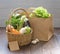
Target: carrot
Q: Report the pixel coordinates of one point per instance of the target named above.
(14, 31)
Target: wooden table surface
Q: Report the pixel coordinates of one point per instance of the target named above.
(50, 47)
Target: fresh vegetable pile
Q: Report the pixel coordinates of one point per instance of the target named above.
(40, 12)
(18, 24)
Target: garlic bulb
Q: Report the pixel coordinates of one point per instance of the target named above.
(22, 30)
(35, 41)
(25, 30)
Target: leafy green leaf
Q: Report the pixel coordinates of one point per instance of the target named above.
(28, 30)
(40, 12)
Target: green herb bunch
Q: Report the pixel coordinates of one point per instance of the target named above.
(16, 21)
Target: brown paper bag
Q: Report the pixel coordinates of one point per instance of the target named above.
(42, 28)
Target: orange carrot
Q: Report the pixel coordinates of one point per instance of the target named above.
(14, 31)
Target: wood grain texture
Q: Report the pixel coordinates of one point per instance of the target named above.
(50, 47)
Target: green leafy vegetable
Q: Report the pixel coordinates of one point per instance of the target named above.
(28, 30)
(16, 21)
(16, 16)
(40, 12)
